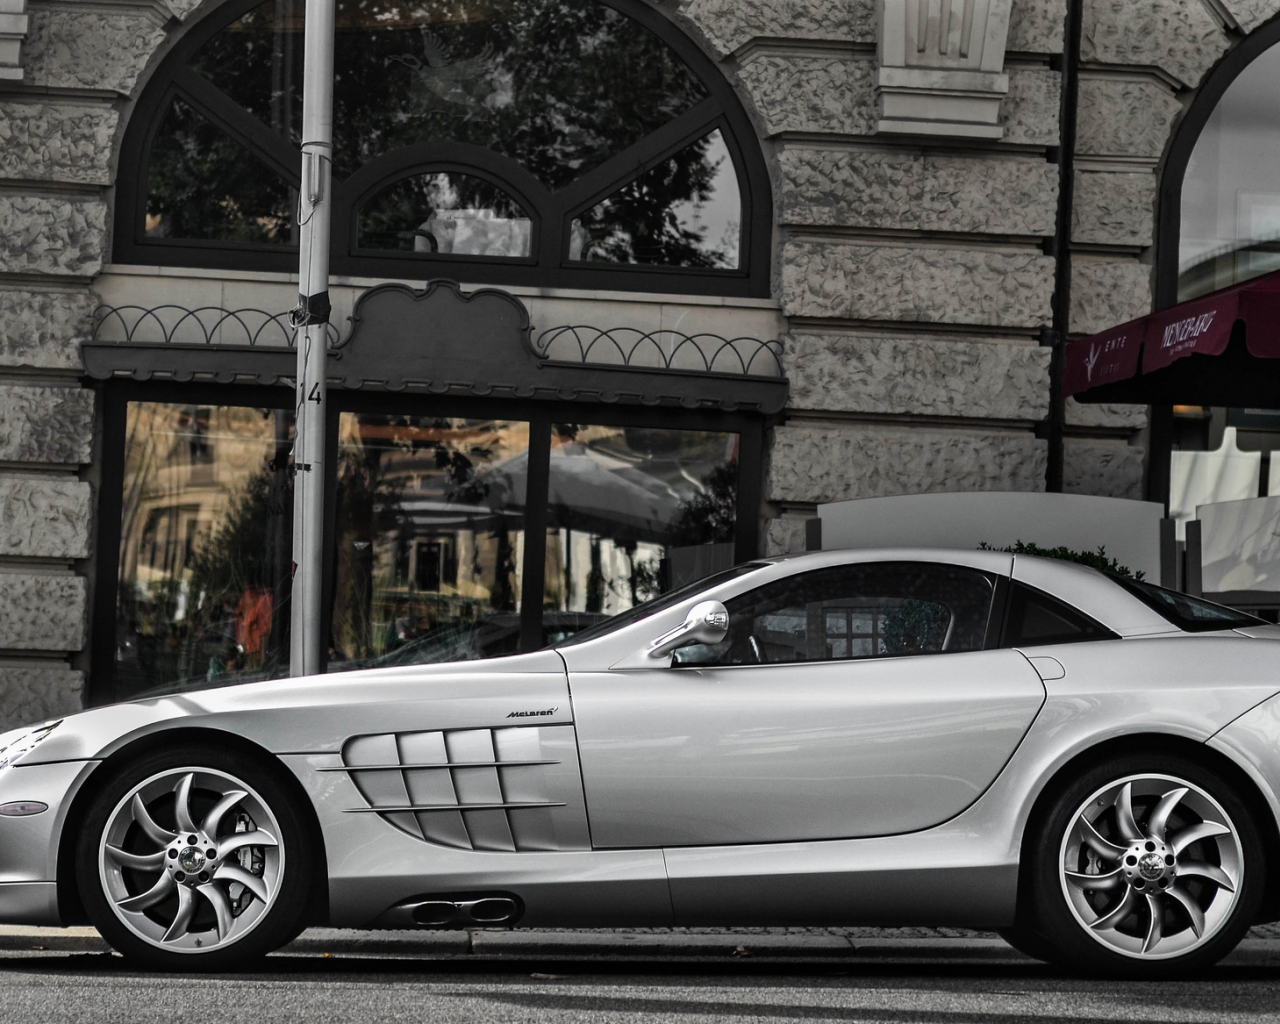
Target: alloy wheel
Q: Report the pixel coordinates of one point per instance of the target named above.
(1151, 866)
(190, 860)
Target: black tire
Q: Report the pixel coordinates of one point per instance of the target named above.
(273, 923)
(1030, 943)
(1076, 915)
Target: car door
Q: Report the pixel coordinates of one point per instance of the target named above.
(853, 700)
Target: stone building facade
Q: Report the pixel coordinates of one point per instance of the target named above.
(913, 275)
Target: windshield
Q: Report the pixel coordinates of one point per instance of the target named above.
(643, 611)
(1191, 614)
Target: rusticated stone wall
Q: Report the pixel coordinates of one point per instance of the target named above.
(913, 270)
(917, 376)
(59, 129)
(812, 463)
(33, 694)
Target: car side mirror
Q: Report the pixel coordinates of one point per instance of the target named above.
(706, 623)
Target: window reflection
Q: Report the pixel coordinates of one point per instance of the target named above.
(559, 85)
(202, 185)
(862, 611)
(686, 212)
(446, 212)
(206, 535)
(430, 539)
(632, 513)
(1231, 191)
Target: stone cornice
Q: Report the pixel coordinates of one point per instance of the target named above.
(941, 67)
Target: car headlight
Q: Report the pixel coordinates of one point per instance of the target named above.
(20, 742)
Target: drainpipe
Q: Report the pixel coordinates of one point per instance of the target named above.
(311, 338)
(1056, 336)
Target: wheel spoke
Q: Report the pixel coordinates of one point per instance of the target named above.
(158, 835)
(238, 839)
(221, 907)
(144, 901)
(182, 803)
(1159, 822)
(1092, 882)
(1155, 930)
(1191, 906)
(214, 818)
(1102, 847)
(1123, 909)
(231, 873)
(1212, 872)
(1124, 814)
(1194, 833)
(186, 911)
(137, 861)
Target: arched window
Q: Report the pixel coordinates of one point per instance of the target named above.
(1229, 206)
(578, 143)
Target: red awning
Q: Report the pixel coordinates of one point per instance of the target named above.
(1098, 367)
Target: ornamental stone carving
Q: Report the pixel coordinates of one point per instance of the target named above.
(13, 30)
(942, 67)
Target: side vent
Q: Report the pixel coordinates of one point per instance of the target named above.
(506, 790)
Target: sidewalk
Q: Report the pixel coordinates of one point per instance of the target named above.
(1261, 946)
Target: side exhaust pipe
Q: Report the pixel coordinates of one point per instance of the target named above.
(434, 912)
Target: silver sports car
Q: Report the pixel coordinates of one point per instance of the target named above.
(1088, 763)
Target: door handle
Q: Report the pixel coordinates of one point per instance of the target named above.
(1048, 668)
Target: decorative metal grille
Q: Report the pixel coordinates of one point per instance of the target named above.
(208, 325)
(664, 350)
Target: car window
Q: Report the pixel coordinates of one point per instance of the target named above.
(1192, 614)
(1034, 619)
(877, 610)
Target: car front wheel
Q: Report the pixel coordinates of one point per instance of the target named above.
(184, 864)
(1149, 866)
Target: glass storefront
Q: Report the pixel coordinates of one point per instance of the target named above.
(206, 546)
(634, 512)
(430, 539)
(431, 554)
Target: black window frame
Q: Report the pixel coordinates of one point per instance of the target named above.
(116, 395)
(552, 212)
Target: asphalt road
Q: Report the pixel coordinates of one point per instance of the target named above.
(896, 986)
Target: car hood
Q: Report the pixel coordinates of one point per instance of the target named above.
(315, 714)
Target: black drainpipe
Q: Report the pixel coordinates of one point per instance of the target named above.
(1056, 336)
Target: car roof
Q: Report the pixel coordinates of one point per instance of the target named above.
(1083, 588)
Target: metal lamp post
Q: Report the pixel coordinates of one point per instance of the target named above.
(311, 322)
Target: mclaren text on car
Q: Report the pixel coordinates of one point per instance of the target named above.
(1088, 763)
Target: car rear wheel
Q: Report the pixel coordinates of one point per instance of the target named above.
(183, 864)
(1148, 866)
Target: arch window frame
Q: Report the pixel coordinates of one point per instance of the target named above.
(551, 212)
(1185, 136)
(1168, 226)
